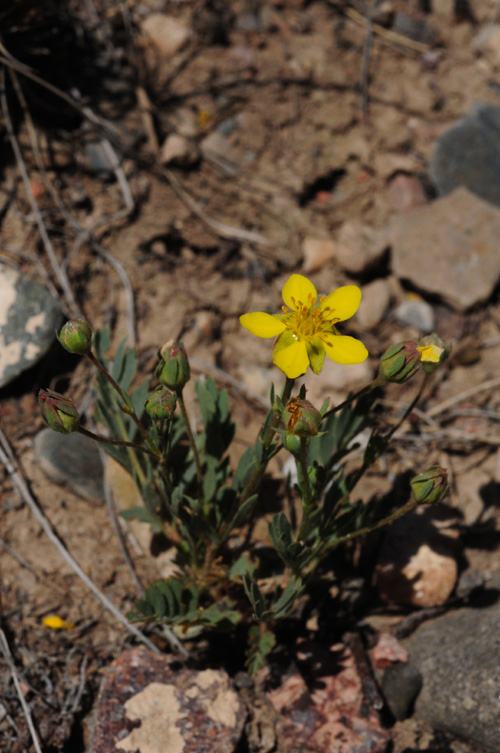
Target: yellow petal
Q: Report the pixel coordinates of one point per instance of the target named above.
(430, 353)
(293, 361)
(57, 623)
(345, 349)
(344, 302)
(298, 289)
(262, 325)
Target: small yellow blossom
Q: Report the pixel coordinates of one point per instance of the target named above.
(57, 623)
(431, 353)
(306, 330)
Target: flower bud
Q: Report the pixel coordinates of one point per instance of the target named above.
(400, 362)
(160, 404)
(301, 418)
(76, 336)
(173, 368)
(433, 351)
(58, 412)
(430, 487)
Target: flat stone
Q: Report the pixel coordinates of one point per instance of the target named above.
(374, 304)
(417, 564)
(29, 316)
(178, 150)
(359, 247)
(449, 248)
(457, 655)
(168, 33)
(72, 461)
(468, 154)
(317, 252)
(145, 705)
(417, 314)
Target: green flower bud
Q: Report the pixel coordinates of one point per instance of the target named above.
(76, 336)
(291, 443)
(430, 487)
(58, 412)
(301, 418)
(433, 351)
(173, 368)
(400, 362)
(160, 404)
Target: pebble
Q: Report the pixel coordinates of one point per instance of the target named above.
(359, 247)
(487, 42)
(317, 253)
(374, 304)
(467, 154)
(457, 655)
(29, 315)
(417, 564)
(417, 314)
(405, 192)
(449, 248)
(72, 461)
(168, 33)
(217, 146)
(387, 651)
(401, 683)
(98, 160)
(178, 150)
(145, 704)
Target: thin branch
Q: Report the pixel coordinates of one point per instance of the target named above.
(4, 646)
(441, 407)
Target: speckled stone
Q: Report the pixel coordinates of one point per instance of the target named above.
(145, 704)
(29, 316)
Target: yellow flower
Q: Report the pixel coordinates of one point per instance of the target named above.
(57, 623)
(306, 329)
(430, 353)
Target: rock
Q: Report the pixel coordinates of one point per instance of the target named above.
(487, 42)
(329, 717)
(387, 651)
(144, 704)
(417, 563)
(217, 146)
(416, 313)
(359, 247)
(374, 304)
(457, 655)
(405, 192)
(449, 248)
(317, 252)
(401, 684)
(99, 160)
(168, 33)
(29, 315)
(415, 28)
(467, 154)
(72, 461)
(178, 150)
(185, 122)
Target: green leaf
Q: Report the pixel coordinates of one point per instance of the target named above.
(260, 646)
(209, 484)
(286, 602)
(244, 512)
(241, 567)
(144, 515)
(281, 534)
(255, 596)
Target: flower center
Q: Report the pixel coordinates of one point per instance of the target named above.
(309, 320)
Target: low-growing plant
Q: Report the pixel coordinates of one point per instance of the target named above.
(192, 494)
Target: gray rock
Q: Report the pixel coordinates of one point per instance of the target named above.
(99, 160)
(73, 461)
(457, 655)
(401, 684)
(29, 316)
(418, 314)
(449, 248)
(468, 154)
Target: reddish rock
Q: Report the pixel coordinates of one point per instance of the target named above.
(388, 650)
(145, 705)
(331, 714)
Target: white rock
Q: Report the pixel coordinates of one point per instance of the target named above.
(178, 150)
(168, 33)
(359, 247)
(418, 314)
(374, 304)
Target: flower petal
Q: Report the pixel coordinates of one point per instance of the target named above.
(262, 325)
(344, 302)
(316, 354)
(293, 360)
(300, 289)
(345, 349)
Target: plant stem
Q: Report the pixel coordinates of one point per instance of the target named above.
(410, 505)
(191, 438)
(307, 494)
(122, 443)
(410, 408)
(378, 382)
(127, 406)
